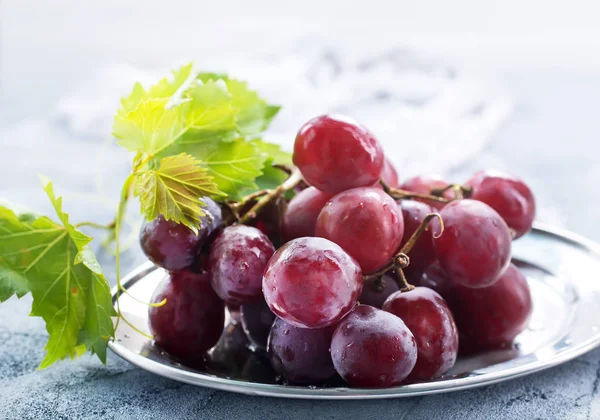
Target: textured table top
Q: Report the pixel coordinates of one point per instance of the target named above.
(551, 140)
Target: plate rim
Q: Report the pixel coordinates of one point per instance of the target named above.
(339, 393)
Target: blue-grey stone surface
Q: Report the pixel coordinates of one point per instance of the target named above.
(551, 140)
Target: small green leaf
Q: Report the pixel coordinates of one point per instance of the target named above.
(53, 261)
(174, 190)
(190, 108)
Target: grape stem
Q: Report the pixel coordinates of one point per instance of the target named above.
(401, 281)
(293, 180)
(401, 259)
(110, 226)
(408, 246)
(460, 191)
(398, 194)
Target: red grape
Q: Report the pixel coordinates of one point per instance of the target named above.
(301, 216)
(424, 184)
(312, 282)
(335, 153)
(375, 297)
(174, 246)
(191, 321)
(422, 254)
(434, 278)
(389, 175)
(237, 261)
(508, 195)
(474, 249)
(491, 317)
(301, 355)
(366, 222)
(257, 320)
(373, 349)
(428, 317)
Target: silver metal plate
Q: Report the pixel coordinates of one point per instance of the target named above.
(562, 270)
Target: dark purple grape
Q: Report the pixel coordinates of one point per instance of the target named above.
(171, 245)
(191, 321)
(508, 195)
(335, 153)
(422, 254)
(174, 246)
(491, 317)
(371, 348)
(474, 249)
(312, 283)
(257, 320)
(366, 222)
(428, 317)
(301, 216)
(375, 296)
(237, 261)
(301, 355)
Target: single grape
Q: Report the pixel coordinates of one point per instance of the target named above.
(371, 348)
(191, 321)
(491, 317)
(301, 355)
(257, 320)
(389, 175)
(301, 216)
(366, 222)
(171, 245)
(474, 249)
(434, 278)
(174, 246)
(312, 283)
(508, 195)
(422, 254)
(428, 317)
(237, 261)
(375, 296)
(335, 153)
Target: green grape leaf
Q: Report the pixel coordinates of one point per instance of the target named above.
(165, 88)
(174, 189)
(190, 108)
(254, 114)
(53, 262)
(233, 166)
(151, 127)
(271, 177)
(273, 152)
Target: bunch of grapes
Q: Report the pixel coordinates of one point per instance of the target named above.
(338, 296)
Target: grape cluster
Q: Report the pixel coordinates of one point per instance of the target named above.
(336, 297)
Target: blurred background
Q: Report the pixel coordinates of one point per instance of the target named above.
(447, 87)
